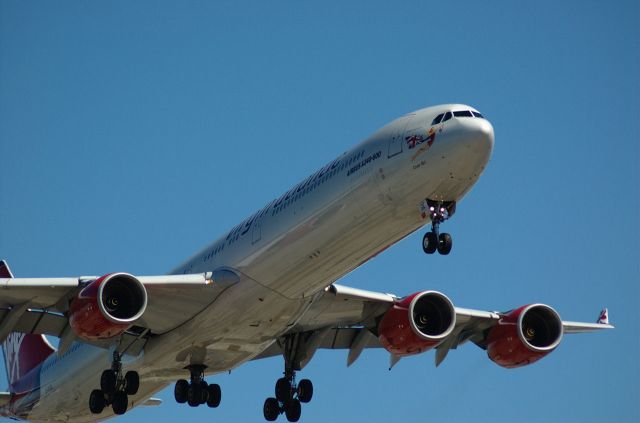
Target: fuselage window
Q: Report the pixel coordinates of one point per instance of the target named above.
(437, 119)
(462, 113)
(446, 117)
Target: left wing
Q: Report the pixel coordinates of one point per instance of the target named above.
(354, 319)
(47, 305)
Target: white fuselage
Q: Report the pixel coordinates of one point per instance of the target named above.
(289, 251)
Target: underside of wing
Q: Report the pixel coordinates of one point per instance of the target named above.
(355, 319)
(115, 308)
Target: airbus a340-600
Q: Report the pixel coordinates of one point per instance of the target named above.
(268, 287)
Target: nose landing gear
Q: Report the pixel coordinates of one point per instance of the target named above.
(438, 212)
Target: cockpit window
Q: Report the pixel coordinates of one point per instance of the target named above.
(446, 117)
(462, 113)
(437, 119)
(478, 114)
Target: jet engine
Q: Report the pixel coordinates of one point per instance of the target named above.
(525, 335)
(417, 323)
(107, 306)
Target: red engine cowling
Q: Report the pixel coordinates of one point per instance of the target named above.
(417, 323)
(525, 335)
(107, 306)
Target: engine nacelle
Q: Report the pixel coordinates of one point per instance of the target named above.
(525, 335)
(417, 323)
(107, 306)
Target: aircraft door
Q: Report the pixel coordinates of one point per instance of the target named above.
(397, 137)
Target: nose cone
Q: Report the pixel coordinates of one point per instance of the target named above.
(485, 133)
(477, 136)
(469, 148)
(473, 141)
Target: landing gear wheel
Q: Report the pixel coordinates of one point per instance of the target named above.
(120, 403)
(283, 389)
(293, 410)
(429, 243)
(214, 395)
(204, 391)
(96, 401)
(305, 390)
(271, 409)
(444, 244)
(194, 395)
(132, 382)
(108, 381)
(180, 391)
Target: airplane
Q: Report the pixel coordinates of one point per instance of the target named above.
(268, 288)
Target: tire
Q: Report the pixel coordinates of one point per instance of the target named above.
(204, 391)
(120, 403)
(194, 395)
(429, 243)
(271, 409)
(283, 390)
(305, 390)
(108, 381)
(180, 391)
(132, 382)
(214, 395)
(444, 244)
(293, 410)
(96, 401)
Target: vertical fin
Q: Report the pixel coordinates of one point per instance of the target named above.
(603, 319)
(5, 272)
(22, 352)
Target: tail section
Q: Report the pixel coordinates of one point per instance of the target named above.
(604, 317)
(22, 352)
(5, 272)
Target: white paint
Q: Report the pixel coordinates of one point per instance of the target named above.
(288, 252)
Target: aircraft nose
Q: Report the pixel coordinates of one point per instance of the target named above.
(470, 148)
(476, 136)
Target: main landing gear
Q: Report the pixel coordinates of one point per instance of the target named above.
(289, 397)
(114, 388)
(197, 391)
(288, 394)
(438, 212)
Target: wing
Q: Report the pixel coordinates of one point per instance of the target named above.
(348, 318)
(41, 305)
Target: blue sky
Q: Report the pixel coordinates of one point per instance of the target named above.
(133, 133)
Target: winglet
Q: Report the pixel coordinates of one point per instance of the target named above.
(5, 272)
(604, 317)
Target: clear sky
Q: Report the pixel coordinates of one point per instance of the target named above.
(133, 133)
